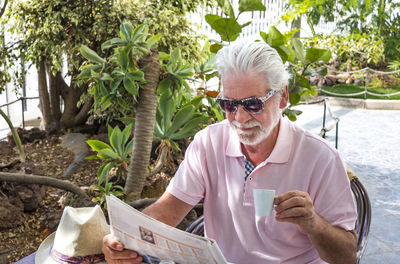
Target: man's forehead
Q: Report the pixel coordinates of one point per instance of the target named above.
(248, 84)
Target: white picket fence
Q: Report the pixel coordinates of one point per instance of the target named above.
(262, 21)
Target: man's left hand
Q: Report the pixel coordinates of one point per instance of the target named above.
(296, 207)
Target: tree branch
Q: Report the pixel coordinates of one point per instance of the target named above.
(35, 179)
(3, 9)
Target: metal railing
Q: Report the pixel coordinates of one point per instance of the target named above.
(23, 101)
(333, 124)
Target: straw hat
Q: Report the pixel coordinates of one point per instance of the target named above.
(78, 238)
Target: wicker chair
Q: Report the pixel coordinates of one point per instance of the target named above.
(362, 223)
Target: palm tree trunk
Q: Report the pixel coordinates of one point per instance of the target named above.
(144, 128)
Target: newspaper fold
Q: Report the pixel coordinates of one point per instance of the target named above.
(156, 241)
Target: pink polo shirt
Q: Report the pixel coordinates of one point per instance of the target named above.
(213, 169)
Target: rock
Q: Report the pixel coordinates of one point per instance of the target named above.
(314, 80)
(330, 80)
(358, 81)
(342, 77)
(321, 82)
(11, 212)
(350, 80)
(30, 195)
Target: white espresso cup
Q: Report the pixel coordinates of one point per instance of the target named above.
(263, 201)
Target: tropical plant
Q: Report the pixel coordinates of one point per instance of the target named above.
(121, 72)
(228, 27)
(48, 35)
(108, 189)
(353, 51)
(177, 120)
(302, 60)
(114, 156)
(136, 72)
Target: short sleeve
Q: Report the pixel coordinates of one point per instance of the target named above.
(188, 183)
(334, 199)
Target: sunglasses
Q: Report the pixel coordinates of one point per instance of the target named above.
(253, 105)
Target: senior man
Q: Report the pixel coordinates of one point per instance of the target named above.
(256, 147)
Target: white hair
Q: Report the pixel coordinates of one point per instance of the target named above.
(253, 57)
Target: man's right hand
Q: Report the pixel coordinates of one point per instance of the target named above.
(115, 253)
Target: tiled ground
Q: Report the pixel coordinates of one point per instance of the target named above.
(369, 141)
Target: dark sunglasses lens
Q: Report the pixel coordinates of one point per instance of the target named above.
(228, 106)
(253, 105)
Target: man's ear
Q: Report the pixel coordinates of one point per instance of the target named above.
(284, 97)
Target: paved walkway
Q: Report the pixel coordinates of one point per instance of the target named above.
(369, 141)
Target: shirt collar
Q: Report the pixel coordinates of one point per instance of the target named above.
(281, 151)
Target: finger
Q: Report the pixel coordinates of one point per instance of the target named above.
(295, 212)
(296, 201)
(112, 242)
(285, 196)
(114, 251)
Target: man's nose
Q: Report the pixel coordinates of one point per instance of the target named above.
(241, 115)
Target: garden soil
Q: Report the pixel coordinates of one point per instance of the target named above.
(27, 226)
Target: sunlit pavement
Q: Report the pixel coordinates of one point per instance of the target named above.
(369, 141)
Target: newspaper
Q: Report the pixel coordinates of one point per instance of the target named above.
(157, 242)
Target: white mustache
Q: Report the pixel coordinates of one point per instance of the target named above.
(248, 124)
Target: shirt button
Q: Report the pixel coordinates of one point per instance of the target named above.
(250, 178)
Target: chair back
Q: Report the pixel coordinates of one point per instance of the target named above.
(363, 215)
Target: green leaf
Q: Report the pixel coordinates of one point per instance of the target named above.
(97, 145)
(106, 77)
(324, 71)
(126, 30)
(128, 149)
(91, 55)
(167, 108)
(164, 86)
(190, 127)
(264, 36)
(294, 98)
(138, 33)
(299, 50)
(123, 59)
(116, 140)
(106, 45)
(118, 42)
(226, 7)
(214, 48)
(126, 133)
(108, 154)
(316, 55)
(92, 157)
(158, 132)
(153, 40)
(228, 28)
(183, 116)
(137, 75)
(275, 37)
(251, 5)
(245, 24)
(104, 172)
(302, 81)
(163, 56)
(130, 86)
(127, 120)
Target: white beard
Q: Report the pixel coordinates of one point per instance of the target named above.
(258, 134)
